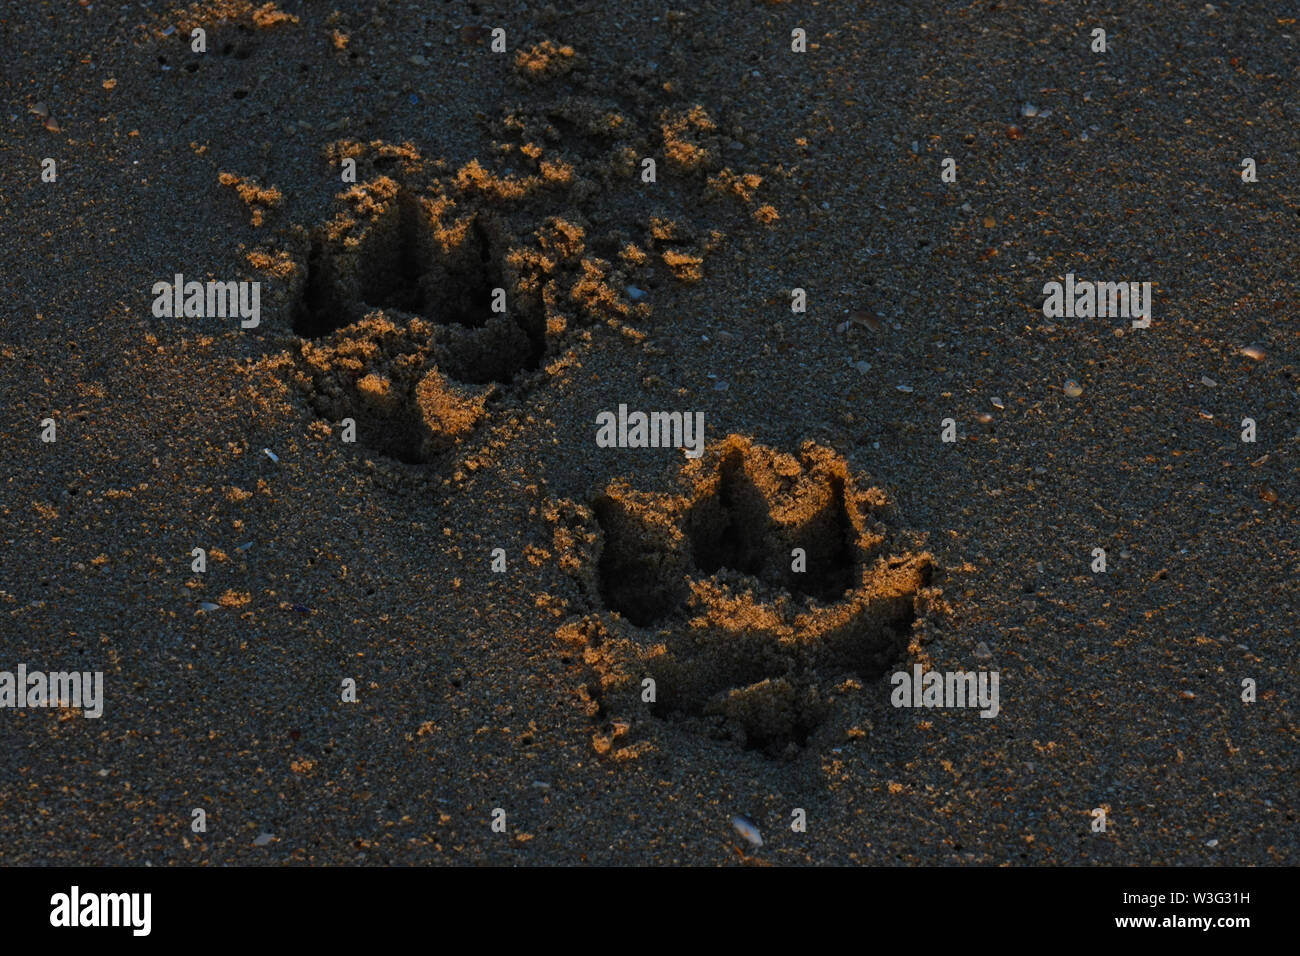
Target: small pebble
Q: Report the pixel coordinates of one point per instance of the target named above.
(1073, 389)
(1029, 110)
(271, 455)
(40, 109)
(904, 388)
(1208, 382)
(720, 386)
(245, 546)
(208, 606)
(861, 366)
(997, 402)
(1254, 352)
(1211, 843)
(984, 418)
(263, 839)
(982, 652)
(747, 829)
(866, 319)
(635, 294)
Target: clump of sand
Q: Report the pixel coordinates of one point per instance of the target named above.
(257, 197)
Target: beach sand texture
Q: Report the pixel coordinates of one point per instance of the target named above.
(496, 275)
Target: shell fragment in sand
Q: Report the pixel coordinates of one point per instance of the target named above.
(747, 829)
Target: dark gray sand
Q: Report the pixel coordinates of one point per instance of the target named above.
(476, 431)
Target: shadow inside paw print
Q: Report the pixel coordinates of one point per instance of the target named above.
(749, 597)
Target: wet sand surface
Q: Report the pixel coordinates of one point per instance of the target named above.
(372, 561)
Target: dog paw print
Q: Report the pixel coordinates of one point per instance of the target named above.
(433, 290)
(413, 311)
(747, 599)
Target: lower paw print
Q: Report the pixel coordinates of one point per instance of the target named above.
(740, 606)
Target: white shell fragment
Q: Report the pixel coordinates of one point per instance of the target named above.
(1073, 389)
(747, 829)
(208, 606)
(1254, 352)
(271, 455)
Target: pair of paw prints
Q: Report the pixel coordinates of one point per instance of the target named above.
(746, 600)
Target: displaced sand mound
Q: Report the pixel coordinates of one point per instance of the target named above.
(743, 599)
